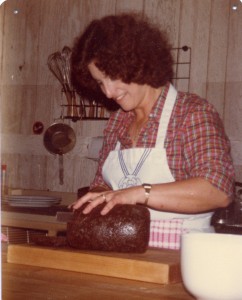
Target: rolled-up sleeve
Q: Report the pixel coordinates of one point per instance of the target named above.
(207, 149)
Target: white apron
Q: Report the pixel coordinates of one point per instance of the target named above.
(132, 167)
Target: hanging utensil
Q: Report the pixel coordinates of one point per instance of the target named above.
(59, 139)
(58, 66)
(66, 54)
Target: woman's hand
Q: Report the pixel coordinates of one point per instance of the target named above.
(131, 195)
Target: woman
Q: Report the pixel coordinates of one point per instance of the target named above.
(162, 148)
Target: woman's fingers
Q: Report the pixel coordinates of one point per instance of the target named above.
(95, 202)
(107, 207)
(86, 198)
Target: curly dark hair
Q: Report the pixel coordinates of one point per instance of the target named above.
(126, 47)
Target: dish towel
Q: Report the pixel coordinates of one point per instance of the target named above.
(166, 233)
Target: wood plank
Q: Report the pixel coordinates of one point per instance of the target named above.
(233, 88)
(233, 92)
(156, 266)
(2, 10)
(166, 14)
(129, 6)
(218, 47)
(22, 48)
(194, 32)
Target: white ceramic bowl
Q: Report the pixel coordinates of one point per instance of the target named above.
(211, 265)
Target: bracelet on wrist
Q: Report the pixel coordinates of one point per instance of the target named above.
(147, 188)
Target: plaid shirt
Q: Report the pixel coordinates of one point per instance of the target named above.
(196, 143)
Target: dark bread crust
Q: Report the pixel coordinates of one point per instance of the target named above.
(124, 229)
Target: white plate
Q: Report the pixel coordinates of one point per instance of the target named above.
(17, 204)
(31, 201)
(31, 198)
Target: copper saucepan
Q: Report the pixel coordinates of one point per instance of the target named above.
(59, 139)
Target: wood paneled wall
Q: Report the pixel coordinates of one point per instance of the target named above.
(32, 29)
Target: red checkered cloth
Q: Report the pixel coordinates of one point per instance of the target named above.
(166, 233)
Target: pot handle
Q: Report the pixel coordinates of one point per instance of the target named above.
(61, 169)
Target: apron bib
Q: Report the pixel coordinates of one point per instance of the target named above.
(132, 167)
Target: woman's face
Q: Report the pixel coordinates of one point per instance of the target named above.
(128, 96)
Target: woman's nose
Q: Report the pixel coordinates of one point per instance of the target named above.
(108, 89)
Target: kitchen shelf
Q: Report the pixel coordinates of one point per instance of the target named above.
(87, 112)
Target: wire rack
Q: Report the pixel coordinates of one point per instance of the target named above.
(182, 68)
(94, 110)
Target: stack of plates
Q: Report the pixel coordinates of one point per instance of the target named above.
(31, 201)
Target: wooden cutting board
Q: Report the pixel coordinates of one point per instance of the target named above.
(156, 265)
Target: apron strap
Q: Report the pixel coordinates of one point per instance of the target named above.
(165, 116)
(117, 147)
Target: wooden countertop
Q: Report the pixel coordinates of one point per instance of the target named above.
(38, 283)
